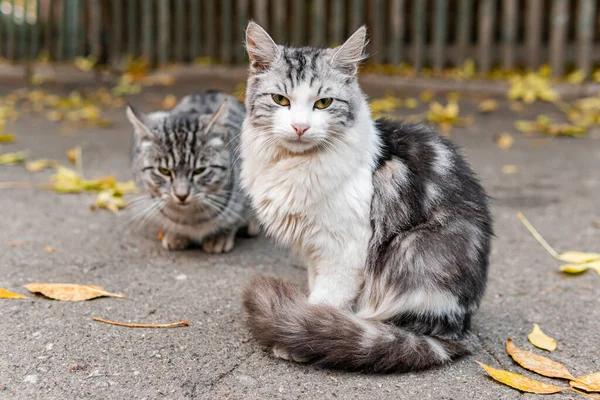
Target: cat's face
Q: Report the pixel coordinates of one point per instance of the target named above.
(178, 161)
(302, 98)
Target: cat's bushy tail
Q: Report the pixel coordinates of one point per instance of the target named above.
(280, 315)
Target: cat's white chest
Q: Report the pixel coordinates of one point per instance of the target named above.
(311, 203)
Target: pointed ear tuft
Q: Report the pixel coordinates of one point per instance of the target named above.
(137, 119)
(262, 50)
(219, 117)
(349, 55)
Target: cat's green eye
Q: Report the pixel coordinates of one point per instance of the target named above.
(165, 171)
(199, 171)
(281, 100)
(322, 104)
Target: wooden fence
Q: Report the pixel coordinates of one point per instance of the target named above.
(422, 33)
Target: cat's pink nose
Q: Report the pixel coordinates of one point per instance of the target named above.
(182, 196)
(300, 128)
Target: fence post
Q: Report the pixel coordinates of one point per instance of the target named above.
(533, 33)
(95, 31)
(440, 34)
(377, 33)
(132, 14)
(10, 33)
(279, 21)
(242, 22)
(418, 34)
(317, 25)
(558, 34)
(465, 23)
(338, 22)
(163, 32)
(397, 22)
(226, 36)
(357, 14)
(209, 22)
(147, 29)
(510, 21)
(585, 35)
(486, 34)
(298, 23)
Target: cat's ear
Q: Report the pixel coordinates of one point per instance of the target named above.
(348, 56)
(137, 120)
(219, 117)
(261, 48)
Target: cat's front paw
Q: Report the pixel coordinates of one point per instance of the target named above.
(171, 241)
(220, 243)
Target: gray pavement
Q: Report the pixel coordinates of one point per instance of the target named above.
(53, 350)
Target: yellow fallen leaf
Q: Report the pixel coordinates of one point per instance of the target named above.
(586, 394)
(504, 141)
(579, 268)
(5, 294)
(111, 200)
(86, 63)
(589, 383)
(520, 382)
(74, 155)
(572, 257)
(384, 105)
(160, 234)
(578, 257)
(169, 102)
(7, 138)
(541, 365)
(49, 249)
(426, 96)
(488, 106)
(411, 103)
(13, 158)
(70, 292)
(40, 165)
(541, 340)
(510, 169)
(575, 77)
(516, 106)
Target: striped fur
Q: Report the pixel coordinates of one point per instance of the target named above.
(184, 160)
(389, 218)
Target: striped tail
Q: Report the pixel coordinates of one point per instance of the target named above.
(279, 315)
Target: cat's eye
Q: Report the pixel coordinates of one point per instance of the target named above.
(165, 171)
(322, 104)
(281, 100)
(199, 171)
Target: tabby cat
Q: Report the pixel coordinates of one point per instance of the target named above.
(390, 220)
(184, 160)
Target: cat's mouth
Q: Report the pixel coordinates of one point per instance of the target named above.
(299, 145)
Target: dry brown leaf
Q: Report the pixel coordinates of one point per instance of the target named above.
(5, 294)
(510, 169)
(541, 365)
(520, 382)
(14, 185)
(127, 325)
(589, 383)
(70, 291)
(596, 224)
(504, 141)
(16, 243)
(541, 340)
(160, 234)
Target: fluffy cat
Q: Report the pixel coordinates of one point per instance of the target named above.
(184, 160)
(390, 220)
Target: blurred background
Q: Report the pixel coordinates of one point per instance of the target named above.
(423, 34)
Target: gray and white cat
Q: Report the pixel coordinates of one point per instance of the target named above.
(390, 220)
(184, 161)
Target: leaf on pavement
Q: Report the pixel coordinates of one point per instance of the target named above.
(583, 259)
(7, 138)
(69, 291)
(541, 365)
(5, 294)
(520, 382)
(510, 169)
(13, 158)
(169, 102)
(40, 165)
(488, 106)
(504, 141)
(541, 340)
(14, 185)
(49, 249)
(128, 325)
(589, 383)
